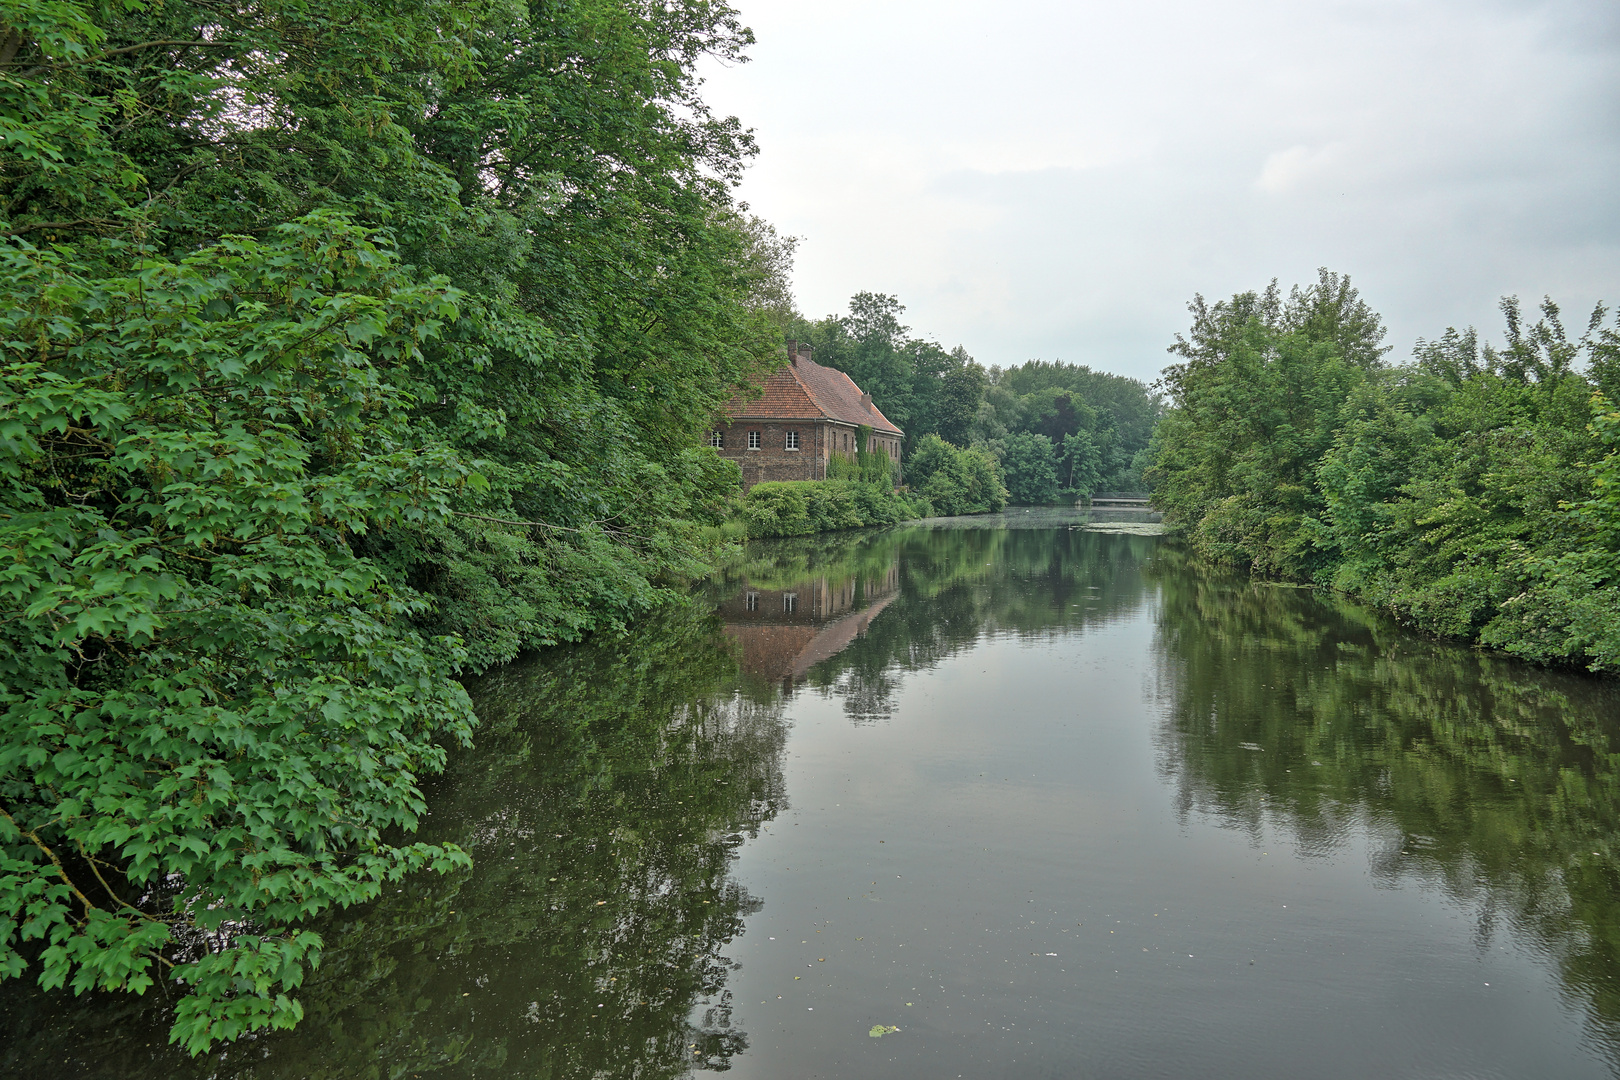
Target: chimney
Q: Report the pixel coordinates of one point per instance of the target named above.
(804, 350)
(793, 353)
(866, 399)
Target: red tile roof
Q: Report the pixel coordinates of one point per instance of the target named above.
(805, 390)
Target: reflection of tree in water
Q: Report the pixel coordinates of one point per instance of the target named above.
(958, 585)
(1491, 781)
(608, 790)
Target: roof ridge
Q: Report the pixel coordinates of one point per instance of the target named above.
(832, 393)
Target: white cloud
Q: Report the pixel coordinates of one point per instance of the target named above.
(1041, 178)
(1287, 169)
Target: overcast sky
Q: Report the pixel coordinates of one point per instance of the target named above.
(1056, 180)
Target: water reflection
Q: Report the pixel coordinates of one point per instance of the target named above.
(609, 790)
(939, 588)
(785, 630)
(1492, 782)
(614, 784)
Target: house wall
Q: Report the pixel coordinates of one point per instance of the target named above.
(818, 441)
(773, 461)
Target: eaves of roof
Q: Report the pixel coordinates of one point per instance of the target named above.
(805, 390)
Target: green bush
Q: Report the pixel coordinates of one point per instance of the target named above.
(206, 696)
(956, 481)
(1470, 493)
(802, 507)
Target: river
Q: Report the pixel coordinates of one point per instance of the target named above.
(1044, 800)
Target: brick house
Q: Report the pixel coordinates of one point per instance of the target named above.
(806, 414)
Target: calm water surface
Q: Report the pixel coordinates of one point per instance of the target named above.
(1052, 802)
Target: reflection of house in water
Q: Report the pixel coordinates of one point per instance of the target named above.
(785, 632)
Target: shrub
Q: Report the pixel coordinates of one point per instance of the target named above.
(956, 481)
(777, 508)
(801, 507)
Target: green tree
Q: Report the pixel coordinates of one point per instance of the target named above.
(1030, 467)
(879, 361)
(1459, 492)
(1082, 464)
(1060, 400)
(245, 526)
(961, 394)
(618, 307)
(956, 481)
(1254, 407)
(214, 714)
(1448, 486)
(556, 162)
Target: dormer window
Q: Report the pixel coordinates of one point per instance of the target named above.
(717, 439)
(792, 440)
(753, 440)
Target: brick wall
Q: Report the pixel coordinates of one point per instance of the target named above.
(773, 461)
(818, 440)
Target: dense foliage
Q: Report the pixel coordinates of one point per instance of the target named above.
(212, 709)
(1030, 466)
(1472, 492)
(1057, 431)
(347, 348)
(953, 480)
(802, 507)
(1063, 431)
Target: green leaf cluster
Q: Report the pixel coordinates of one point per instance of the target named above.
(802, 507)
(213, 713)
(1469, 492)
(1097, 426)
(348, 348)
(956, 481)
(1031, 468)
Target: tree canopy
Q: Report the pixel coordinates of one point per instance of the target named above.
(1096, 426)
(1470, 491)
(348, 348)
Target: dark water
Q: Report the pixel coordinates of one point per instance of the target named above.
(1052, 802)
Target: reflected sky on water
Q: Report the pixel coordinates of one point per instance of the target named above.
(1052, 802)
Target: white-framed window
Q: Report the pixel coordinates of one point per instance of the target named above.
(717, 439)
(792, 440)
(751, 601)
(790, 602)
(753, 440)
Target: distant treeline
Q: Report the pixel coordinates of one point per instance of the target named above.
(1473, 491)
(1055, 432)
